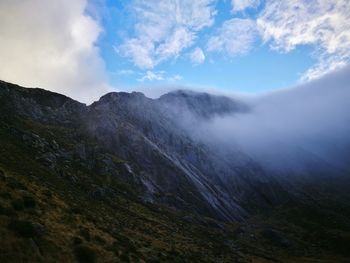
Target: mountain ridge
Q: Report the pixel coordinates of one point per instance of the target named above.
(127, 151)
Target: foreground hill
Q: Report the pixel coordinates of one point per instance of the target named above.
(125, 180)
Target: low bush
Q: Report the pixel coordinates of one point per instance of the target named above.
(23, 228)
(85, 233)
(29, 202)
(17, 204)
(77, 241)
(85, 254)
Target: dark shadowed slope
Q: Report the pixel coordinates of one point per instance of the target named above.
(130, 178)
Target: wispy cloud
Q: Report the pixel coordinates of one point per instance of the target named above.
(197, 56)
(235, 37)
(175, 78)
(125, 72)
(241, 5)
(160, 75)
(323, 24)
(152, 75)
(164, 29)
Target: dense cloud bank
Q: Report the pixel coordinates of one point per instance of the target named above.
(52, 45)
(289, 128)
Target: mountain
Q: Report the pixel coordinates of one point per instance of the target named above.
(202, 105)
(130, 178)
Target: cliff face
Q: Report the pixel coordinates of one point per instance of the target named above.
(162, 159)
(147, 169)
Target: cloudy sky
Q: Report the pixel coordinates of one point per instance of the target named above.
(84, 48)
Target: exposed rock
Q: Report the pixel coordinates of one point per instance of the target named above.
(147, 145)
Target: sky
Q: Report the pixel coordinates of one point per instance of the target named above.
(85, 48)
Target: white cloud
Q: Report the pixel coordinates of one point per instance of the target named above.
(152, 75)
(51, 45)
(197, 56)
(160, 75)
(164, 29)
(175, 78)
(321, 23)
(235, 37)
(326, 63)
(125, 72)
(175, 43)
(241, 5)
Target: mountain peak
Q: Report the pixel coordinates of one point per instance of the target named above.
(116, 96)
(202, 104)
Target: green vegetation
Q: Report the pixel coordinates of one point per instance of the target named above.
(46, 217)
(85, 254)
(56, 206)
(23, 228)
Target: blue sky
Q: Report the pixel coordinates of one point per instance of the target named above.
(85, 48)
(261, 68)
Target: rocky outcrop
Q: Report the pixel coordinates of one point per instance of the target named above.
(145, 143)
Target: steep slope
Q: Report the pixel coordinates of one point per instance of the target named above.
(166, 161)
(125, 180)
(167, 165)
(175, 164)
(202, 105)
(65, 198)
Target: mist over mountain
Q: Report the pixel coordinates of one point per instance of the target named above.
(241, 167)
(285, 128)
(175, 131)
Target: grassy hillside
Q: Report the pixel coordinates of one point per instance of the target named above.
(58, 206)
(50, 218)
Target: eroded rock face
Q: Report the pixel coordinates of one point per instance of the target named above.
(177, 165)
(145, 143)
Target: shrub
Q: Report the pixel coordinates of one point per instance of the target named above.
(126, 242)
(8, 211)
(26, 228)
(6, 195)
(47, 193)
(85, 254)
(2, 175)
(76, 210)
(85, 233)
(77, 241)
(99, 239)
(124, 257)
(2, 210)
(14, 184)
(29, 202)
(23, 228)
(17, 204)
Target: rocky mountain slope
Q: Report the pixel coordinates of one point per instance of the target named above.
(128, 179)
